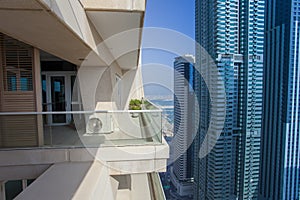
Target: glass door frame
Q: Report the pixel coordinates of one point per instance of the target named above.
(68, 92)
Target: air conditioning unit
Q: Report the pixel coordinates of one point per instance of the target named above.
(100, 123)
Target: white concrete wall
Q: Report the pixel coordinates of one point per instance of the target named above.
(98, 84)
(73, 14)
(136, 5)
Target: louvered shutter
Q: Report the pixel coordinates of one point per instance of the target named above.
(17, 94)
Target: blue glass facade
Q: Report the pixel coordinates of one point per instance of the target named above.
(232, 32)
(280, 161)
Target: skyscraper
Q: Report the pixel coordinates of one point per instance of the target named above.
(232, 33)
(181, 174)
(280, 155)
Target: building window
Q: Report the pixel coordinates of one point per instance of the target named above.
(14, 187)
(17, 79)
(17, 64)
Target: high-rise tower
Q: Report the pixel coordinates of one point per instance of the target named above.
(232, 33)
(280, 158)
(181, 175)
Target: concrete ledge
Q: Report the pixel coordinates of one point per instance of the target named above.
(132, 167)
(113, 153)
(22, 172)
(119, 160)
(160, 165)
(91, 180)
(162, 151)
(32, 157)
(124, 5)
(60, 181)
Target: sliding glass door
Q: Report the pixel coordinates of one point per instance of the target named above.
(57, 94)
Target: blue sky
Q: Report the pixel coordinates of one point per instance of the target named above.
(177, 15)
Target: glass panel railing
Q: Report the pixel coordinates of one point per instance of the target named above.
(152, 121)
(83, 129)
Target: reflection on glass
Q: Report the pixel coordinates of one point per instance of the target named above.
(58, 98)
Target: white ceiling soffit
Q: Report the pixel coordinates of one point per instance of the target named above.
(34, 23)
(53, 29)
(121, 32)
(14, 4)
(125, 5)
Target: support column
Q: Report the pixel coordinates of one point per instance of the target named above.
(38, 95)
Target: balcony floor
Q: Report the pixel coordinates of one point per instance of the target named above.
(66, 135)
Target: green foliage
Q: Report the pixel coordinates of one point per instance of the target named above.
(135, 104)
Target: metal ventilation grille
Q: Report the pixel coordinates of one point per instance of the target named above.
(17, 64)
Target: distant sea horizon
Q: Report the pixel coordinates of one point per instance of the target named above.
(166, 103)
(160, 97)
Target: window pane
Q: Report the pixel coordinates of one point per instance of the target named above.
(29, 181)
(26, 81)
(17, 61)
(12, 189)
(11, 81)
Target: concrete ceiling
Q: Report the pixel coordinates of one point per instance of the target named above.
(31, 23)
(121, 33)
(34, 23)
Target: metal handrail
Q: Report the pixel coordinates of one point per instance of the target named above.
(78, 112)
(85, 112)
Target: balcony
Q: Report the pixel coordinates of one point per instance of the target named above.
(128, 141)
(99, 128)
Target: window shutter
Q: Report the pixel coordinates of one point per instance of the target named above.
(16, 67)
(17, 62)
